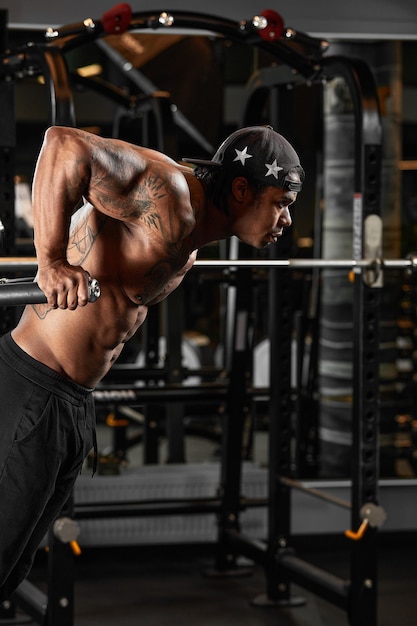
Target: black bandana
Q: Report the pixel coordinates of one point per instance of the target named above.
(260, 154)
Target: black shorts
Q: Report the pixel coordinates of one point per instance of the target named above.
(47, 428)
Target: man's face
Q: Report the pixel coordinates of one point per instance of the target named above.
(264, 216)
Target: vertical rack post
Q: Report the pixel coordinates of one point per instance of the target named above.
(174, 327)
(362, 605)
(7, 167)
(365, 406)
(234, 420)
(7, 147)
(280, 429)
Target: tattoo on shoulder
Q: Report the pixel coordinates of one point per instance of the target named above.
(129, 194)
(142, 203)
(148, 194)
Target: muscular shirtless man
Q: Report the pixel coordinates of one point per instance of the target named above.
(134, 219)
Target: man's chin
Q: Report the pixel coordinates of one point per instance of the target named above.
(265, 244)
(259, 245)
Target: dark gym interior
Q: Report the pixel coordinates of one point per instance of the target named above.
(257, 438)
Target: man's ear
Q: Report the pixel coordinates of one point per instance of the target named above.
(240, 188)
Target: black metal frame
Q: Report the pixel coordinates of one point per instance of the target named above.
(357, 596)
(49, 58)
(7, 168)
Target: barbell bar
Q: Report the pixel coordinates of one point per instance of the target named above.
(15, 293)
(305, 264)
(20, 293)
(13, 264)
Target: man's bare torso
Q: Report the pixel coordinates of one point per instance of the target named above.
(135, 265)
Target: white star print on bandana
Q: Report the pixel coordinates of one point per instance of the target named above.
(255, 152)
(273, 169)
(242, 155)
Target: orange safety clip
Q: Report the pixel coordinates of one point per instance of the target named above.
(116, 422)
(75, 547)
(372, 515)
(351, 534)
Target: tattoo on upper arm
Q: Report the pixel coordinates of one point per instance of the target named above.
(82, 239)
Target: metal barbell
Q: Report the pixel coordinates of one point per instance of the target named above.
(24, 291)
(20, 292)
(305, 264)
(13, 264)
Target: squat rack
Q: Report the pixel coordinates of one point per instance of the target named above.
(358, 596)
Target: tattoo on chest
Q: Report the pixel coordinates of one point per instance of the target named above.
(164, 273)
(156, 279)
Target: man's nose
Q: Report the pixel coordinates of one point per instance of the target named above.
(285, 217)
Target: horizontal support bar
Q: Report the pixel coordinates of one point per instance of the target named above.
(175, 392)
(209, 392)
(243, 545)
(168, 506)
(295, 484)
(32, 601)
(139, 509)
(128, 372)
(315, 579)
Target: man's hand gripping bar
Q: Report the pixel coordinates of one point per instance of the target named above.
(18, 292)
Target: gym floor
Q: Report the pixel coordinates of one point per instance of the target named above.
(169, 586)
(165, 585)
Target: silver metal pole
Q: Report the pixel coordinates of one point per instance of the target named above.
(309, 263)
(28, 263)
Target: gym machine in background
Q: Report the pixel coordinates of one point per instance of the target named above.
(358, 594)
